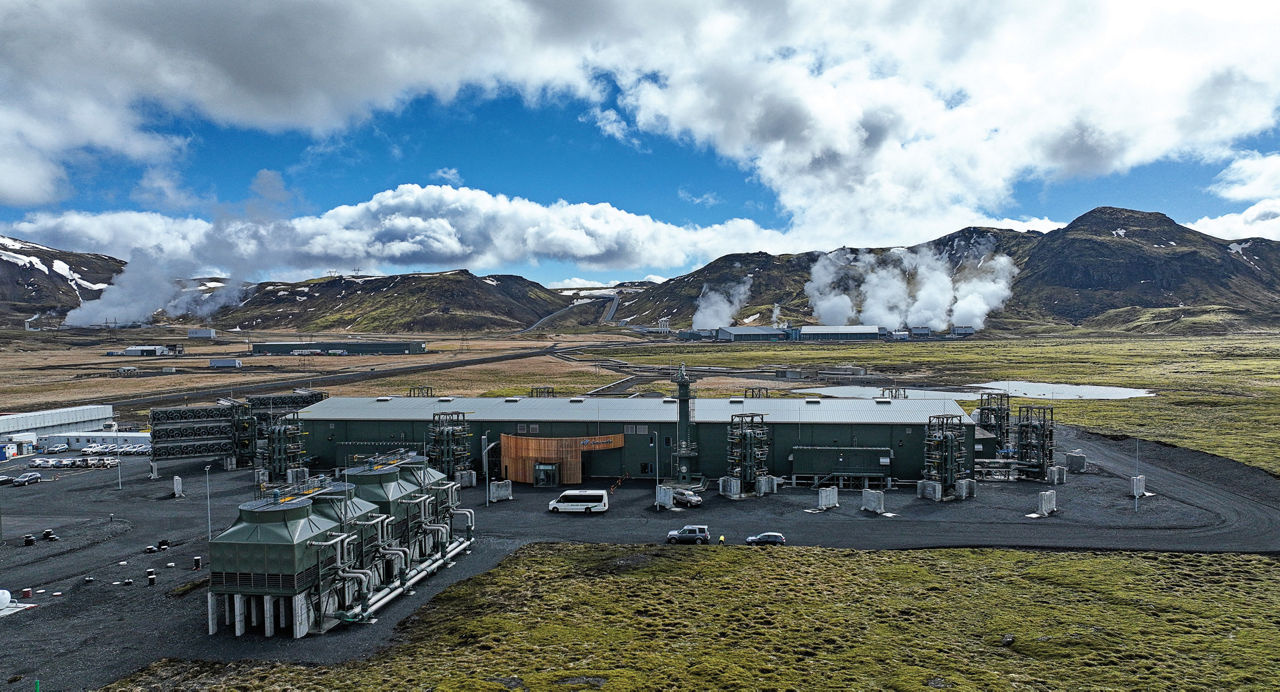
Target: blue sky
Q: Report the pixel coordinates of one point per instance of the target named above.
(612, 142)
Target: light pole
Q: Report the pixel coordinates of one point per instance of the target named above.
(208, 502)
(119, 481)
(484, 459)
(657, 477)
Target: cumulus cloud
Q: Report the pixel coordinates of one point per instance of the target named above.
(575, 282)
(874, 123)
(1262, 220)
(448, 175)
(1250, 178)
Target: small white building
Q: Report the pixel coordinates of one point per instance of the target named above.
(57, 420)
(147, 351)
(202, 333)
(79, 440)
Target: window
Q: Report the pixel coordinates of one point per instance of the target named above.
(522, 428)
(666, 441)
(646, 467)
(533, 427)
(628, 430)
(977, 447)
(642, 430)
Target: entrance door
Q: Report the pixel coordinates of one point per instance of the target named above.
(546, 475)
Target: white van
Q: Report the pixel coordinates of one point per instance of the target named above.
(587, 501)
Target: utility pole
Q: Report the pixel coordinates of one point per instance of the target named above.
(208, 502)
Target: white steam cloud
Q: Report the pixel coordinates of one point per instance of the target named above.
(902, 288)
(717, 306)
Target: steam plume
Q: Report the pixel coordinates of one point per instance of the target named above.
(717, 306)
(901, 288)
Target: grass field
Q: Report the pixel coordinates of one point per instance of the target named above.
(563, 616)
(1215, 394)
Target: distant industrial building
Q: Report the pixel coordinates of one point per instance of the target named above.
(920, 332)
(225, 363)
(853, 332)
(146, 351)
(284, 348)
(202, 333)
(548, 441)
(750, 334)
(963, 331)
(57, 420)
(79, 440)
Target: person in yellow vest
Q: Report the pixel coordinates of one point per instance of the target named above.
(722, 539)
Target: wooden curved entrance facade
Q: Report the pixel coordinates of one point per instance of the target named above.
(520, 454)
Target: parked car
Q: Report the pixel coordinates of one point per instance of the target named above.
(66, 463)
(690, 534)
(110, 462)
(688, 498)
(56, 449)
(6, 480)
(37, 463)
(768, 538)
(586, 501)
(28, 478)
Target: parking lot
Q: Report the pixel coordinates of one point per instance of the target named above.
(97, 631)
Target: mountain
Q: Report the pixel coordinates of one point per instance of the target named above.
(445, 301)
(1144, 265)
(1111, 269)
(35, 279)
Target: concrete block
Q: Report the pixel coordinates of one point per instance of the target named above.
(465, 479)
(966, 488)
(1048, 503)
(663, 497)
(213, 613)
(766, 485)
(500, 490)
(828, 498)
(1057, 475)
(301, 616)
(730, 487)
(929, 490)
(873, 501)
(1076, 461)
(269, 615)
(1138, 486)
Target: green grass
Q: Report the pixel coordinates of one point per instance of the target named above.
(562, 616)
(1215, 394)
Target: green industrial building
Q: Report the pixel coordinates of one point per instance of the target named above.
(552, 441)
(354, 348)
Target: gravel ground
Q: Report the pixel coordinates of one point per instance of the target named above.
(97, 632)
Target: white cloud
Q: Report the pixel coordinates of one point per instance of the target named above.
(1261, 220)
(874, 123)
(1250, 178)
(657, 279)
(448, 175)
(575, 282)
(706, 199)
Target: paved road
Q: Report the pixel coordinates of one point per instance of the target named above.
(97, 632)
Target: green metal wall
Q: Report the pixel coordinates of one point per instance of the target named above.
(333, 442)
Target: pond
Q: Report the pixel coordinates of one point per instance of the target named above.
(1015, 388)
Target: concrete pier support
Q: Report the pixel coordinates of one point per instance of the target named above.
(238, 605)
(269, 615)
(213, 613)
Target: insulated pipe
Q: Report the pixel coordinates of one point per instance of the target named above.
(418, 575)
(402, 554)
(470, 514)
(375, 520)
(444, 533)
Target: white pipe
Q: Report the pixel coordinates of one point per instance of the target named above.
(419, 574)
(444, 531)
(471, 519)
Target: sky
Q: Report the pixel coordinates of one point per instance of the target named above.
(586, 142)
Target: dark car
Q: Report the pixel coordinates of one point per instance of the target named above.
(770, 538)
(28, 477)
(6, 480)
(688, 498)
(690, 534)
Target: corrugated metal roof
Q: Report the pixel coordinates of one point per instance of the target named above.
(849, 329)
(753, 330)
(639, 410)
